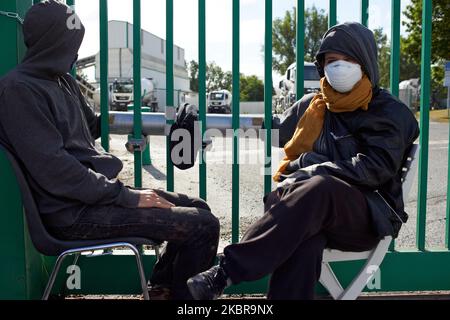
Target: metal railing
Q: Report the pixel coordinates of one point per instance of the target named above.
(394, 81)
(398, 265)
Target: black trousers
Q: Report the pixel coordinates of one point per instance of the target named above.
(299, 223)
(190, 229)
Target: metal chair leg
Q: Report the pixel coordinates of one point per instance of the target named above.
(63, 289)
(158, 254)
(78, 251)
(141, 272)
(52, 278)
(330, 282)
(75, 260)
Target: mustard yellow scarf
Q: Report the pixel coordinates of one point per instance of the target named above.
(310, 125)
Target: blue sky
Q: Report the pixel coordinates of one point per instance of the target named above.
(219, 25)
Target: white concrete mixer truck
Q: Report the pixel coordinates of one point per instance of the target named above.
(121, 94)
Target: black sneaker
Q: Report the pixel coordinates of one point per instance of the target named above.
(208, 285)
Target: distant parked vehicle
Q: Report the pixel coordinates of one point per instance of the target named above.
(288, 88)
(121, 94)
(219, 101)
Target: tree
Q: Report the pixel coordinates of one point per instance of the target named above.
(251, 87)
(316, 24)
(440, 37)
(383, 57)
(216, 78)
(193, 75)
(284, 36)
(408, 68)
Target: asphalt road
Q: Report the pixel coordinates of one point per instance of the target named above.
(437, 193)
(219, 182)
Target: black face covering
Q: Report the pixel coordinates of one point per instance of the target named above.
(52, 45)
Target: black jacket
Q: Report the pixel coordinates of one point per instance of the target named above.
(46, 122)
(363, 148)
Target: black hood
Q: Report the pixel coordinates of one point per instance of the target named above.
(53, 35)
(354, 40)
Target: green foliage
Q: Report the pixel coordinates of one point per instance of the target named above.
(283, 41)
(284, 36)
(440, 30)
(251, 87)
(440, 51)
(193, 75)
(316, 24)
(383, 57)
(216, 78)
(408, 68)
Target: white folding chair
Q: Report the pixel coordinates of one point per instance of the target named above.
(374, 257)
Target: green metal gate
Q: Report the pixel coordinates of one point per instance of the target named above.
(23, 271)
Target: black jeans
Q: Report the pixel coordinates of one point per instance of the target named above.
(190, 229)
(299, 223)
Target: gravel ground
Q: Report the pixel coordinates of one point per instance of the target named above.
(219, 182)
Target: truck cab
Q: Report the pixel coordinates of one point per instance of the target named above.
(121, 95)
(219, 101)
(288, 88)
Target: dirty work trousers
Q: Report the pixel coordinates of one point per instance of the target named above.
(190, 229)
(298, 224)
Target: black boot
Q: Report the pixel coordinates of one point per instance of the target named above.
(208, 285)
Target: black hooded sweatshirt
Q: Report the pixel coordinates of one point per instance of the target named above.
(364, 148)
(46, 123)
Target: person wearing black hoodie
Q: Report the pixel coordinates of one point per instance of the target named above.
(46, 123)
(340, 183)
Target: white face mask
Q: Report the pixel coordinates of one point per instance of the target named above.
(343, 75)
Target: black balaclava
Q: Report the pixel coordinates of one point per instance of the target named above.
(53, 35)
(354, 40)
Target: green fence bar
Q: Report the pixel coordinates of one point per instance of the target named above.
(395, 47)
(447, 221)
(236, 124)
(332, 13)
(21, 271)
(71, 3)
(365, 12)
(424, 123)
(268, 96)
(104, 97)
(137, 122)
(146, 157)
(395, 56)
(202, 91)
(169, 86)
(300, 51)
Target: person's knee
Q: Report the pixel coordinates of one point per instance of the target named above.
(325, 184)
(208, 223)
(201, 204)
